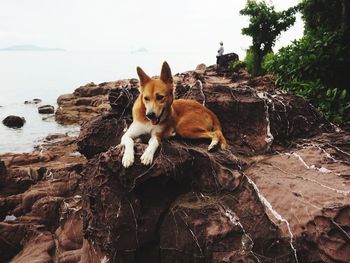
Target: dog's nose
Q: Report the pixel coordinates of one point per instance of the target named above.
(151, 115)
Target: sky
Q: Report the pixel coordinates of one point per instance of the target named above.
(124, 25)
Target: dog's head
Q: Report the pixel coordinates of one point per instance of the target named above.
(157, 95)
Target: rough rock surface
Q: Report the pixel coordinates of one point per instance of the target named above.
(253, 114)
(85, 102)
(40, 203)
(280, 193)
(13, 121)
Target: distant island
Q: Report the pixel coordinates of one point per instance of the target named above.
(29, 48)
(140, 50)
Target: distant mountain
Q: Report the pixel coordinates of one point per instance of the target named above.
(140, 50)
(29, 48)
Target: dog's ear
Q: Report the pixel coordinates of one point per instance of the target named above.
(144, 78)
(165, 74)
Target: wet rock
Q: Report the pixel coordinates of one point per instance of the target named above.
(13, 121)
(34, 101)
(46, 109)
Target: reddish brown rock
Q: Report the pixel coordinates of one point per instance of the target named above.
(86, 102)
(252, 119)
(40, 204)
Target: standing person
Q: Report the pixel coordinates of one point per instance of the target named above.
(218, 56)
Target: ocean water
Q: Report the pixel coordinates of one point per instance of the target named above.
(25, 75)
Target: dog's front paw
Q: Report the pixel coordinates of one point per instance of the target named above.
(128, 159)
(147, 158)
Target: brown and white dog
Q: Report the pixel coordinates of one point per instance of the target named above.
(157, 113)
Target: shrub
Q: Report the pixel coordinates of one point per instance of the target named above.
(316, 67)
(236, 65)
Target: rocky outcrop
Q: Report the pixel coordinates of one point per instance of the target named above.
(280, 193)
(252, 119)
(40, 204)
(13, 121)
(198, 207)
(86, 102)
(46, 109)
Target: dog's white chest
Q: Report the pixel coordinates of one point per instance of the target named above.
(147, 128)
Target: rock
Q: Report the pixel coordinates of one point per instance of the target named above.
(201, 67)
(13, 121)
(34, 101)
(100, 133)
(46, 109)
(134, 82)
(309, 189)
(90, 89)
(86, 102)
(47, 216)
(122, 99)
(226, 59)
(135, 213)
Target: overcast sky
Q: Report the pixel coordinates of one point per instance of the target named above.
(157, 25)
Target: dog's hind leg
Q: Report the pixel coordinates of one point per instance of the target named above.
(213, 144)
(201, 134)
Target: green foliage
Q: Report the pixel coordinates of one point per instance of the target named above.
(249, 61)
(267, 60)
(265, 26)
(316, 67)
(322, 15)
(236, 65)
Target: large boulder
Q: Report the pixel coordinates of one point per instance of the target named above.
(13, 121)
(100, 133)
(226, 59)
(189, 205)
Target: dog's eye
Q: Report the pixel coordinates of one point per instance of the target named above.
(146, 98)
(159, 97)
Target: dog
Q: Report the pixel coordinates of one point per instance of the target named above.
(157, 113)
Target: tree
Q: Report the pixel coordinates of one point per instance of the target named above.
(265, 26)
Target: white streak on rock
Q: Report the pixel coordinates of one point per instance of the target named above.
(278, 216)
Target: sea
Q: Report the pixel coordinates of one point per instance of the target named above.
(26, 75)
